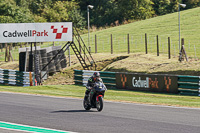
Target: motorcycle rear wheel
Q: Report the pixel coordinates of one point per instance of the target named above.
(99, 104)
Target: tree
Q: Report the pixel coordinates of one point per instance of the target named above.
(161, 6)
(6, 19)
(11, 13)
(103, 13)
(135, 9)
(77, 18)
(191, 3)
(63, 11)
(106, 12)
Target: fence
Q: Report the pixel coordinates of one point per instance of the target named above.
(189, 85)
(81, 77)
(12, 77)
(183, 85)
(132, 43)
(123, 43)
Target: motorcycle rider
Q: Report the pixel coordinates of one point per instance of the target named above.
(91, 81)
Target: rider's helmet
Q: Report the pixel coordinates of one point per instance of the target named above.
(96, 75)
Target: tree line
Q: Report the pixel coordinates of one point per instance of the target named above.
(104, 13)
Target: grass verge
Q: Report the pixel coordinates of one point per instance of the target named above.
(111, 94)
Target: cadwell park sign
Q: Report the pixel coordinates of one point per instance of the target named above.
(35, 32)
(147, 82)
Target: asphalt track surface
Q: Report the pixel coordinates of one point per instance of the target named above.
(68, 114)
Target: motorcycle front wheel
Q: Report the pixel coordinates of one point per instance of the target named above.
(99, 104)
(86, 104)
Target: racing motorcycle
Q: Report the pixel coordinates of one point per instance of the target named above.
(95, 98)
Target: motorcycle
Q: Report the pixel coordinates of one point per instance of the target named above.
(95, 98)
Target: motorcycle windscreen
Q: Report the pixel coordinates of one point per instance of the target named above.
(100, 87)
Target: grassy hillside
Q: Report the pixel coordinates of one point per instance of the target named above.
(164, 26)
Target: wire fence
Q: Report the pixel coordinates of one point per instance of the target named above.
(129, 42)
(121, 43)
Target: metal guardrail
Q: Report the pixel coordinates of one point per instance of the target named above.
(189, 85)
(81, 77)
(13, 77)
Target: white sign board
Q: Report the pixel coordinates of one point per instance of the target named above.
(35, 32)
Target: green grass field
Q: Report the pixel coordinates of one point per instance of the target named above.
(163, 26)
(111, 94)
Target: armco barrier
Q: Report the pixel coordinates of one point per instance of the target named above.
(13, 77)
(82, 76)
(183, 85)
(189, 85)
